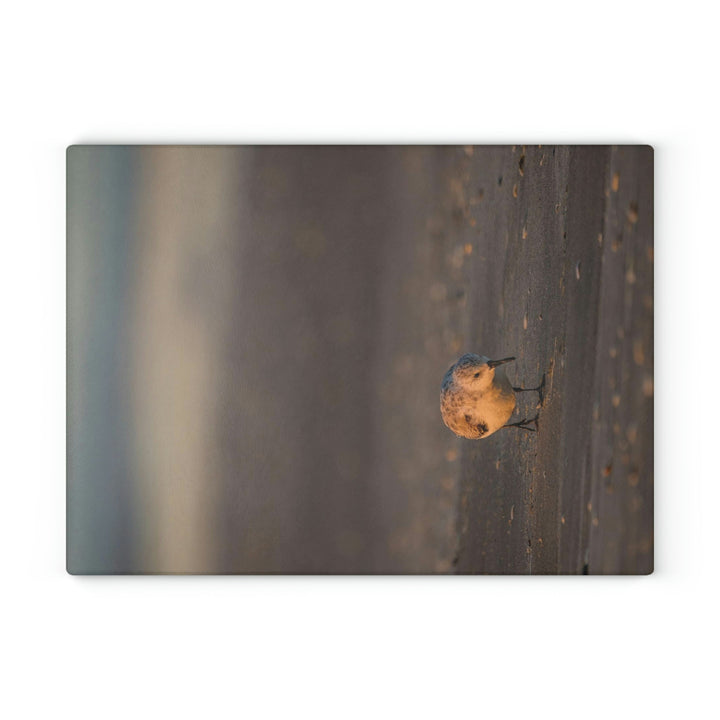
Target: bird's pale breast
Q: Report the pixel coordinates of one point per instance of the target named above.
(476, 415)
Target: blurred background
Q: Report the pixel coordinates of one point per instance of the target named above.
(256, 339)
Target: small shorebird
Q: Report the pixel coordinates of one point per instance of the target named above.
(477, 399)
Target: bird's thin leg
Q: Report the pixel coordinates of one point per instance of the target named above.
(540, 389)
(523, 424)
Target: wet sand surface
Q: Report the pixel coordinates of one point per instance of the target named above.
(570, 292)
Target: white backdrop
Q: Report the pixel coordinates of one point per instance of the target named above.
(390, 647)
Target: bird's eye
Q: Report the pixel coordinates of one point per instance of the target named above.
(477, 374)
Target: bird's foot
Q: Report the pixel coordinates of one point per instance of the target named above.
(525, 423)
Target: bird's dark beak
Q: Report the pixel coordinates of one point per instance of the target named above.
(495, 363)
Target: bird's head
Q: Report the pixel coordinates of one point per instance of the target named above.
(475, 372)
